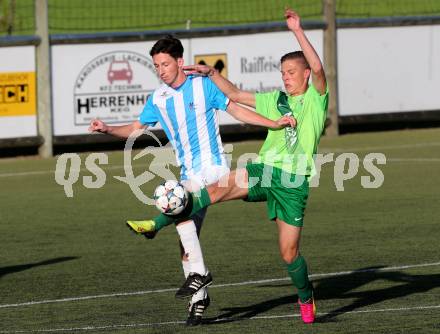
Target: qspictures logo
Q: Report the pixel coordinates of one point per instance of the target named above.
(113, 87)
(346, 166)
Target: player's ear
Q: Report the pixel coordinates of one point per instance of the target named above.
(307, 73)
(180, 62)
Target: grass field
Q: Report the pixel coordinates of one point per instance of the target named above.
(66, 16)
(70, 264)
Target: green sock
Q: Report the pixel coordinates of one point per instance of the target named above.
(162, 221)
(298, 273)
(196, 202)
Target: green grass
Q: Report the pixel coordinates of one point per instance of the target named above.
(82, 16)
(53, 247)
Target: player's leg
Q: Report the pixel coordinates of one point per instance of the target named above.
(287, 205)
(289, 238)
(231, 186)
(189, 232)
(193, 266)
(199, 276)
(246, 183)
(200, 300)
(226, 189)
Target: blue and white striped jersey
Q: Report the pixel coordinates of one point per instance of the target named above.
(189, 118)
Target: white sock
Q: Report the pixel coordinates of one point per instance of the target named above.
(191, 245)
(186, 268)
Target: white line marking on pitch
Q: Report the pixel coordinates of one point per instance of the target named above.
(136, 293)
(413, 160)
(73, 170)
(372, 148)
(115, 167)
(265, 317)
(324, 150)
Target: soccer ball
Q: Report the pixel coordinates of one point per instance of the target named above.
(170, 197)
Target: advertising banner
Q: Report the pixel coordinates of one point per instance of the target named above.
(111, 82)
(252, 62)
(386, 70)
(17, 92)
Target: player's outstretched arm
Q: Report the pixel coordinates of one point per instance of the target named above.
(293, 22)
(228, 88)
(121, 131)
(250, 117)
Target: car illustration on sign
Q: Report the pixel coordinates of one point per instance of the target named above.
(114, 86)
(119, 70)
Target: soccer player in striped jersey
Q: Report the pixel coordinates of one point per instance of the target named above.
(186, 108)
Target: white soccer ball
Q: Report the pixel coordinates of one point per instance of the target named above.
(170, 197)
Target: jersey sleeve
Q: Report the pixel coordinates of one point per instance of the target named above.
(322, 99)
(149, 113)
(320, 107)
(265, 103)
(215, 97)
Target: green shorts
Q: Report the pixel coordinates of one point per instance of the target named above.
(286, 194)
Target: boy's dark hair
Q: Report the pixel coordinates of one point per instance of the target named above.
(296, 55)
(169, 45)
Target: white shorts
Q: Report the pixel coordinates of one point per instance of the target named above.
(209, 174)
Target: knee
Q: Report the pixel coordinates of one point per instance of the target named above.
(214, 193)
(218, 193)
(289, 255)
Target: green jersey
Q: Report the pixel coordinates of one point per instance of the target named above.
(292, 149)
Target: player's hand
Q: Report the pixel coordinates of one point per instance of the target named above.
(199, 69)
(292, 19)
(285, 121)
(97, 125)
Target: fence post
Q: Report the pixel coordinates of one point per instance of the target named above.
(10, 16)
(44, 108)
(330, 65)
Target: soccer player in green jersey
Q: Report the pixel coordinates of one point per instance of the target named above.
(285, 164)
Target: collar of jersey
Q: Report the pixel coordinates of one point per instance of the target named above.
(295, 98)
(186, 82)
